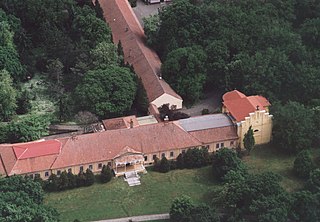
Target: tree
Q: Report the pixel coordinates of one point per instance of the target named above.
(81, 179)
(151, 29)
(89, 178)
(313, 184)
(248, 140)
(303, 164)
(52, 183)
(180, 209)
(180, 161)
(104, 55)
(106, 174)
(293, 128)
(305, 207)
(259, 197)
(164, 165)
(107, 92)
(85, 118)
(225, 160)
(185, 70)
(72, 180)
(63, 181)
(21, 199)
(28, 128)
(195, 158)
(23, 102)
(203, 213)
(7, 96)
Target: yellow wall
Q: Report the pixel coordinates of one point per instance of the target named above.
(261, 122)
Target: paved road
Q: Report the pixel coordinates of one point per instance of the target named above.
(142, 10)
(139, 218)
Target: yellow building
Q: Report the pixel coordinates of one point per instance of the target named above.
(249, 111)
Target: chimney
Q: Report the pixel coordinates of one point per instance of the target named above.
(131, 123)
(258, 107)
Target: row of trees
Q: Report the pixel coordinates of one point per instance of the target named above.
(21, 199)
(193, 158)
(269, 48)
(66, 181)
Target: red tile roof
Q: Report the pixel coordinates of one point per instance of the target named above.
(36, 149)
(8, 159)
(120, 123)
(127, 29)
(240, 105)
(216, 134)
(106, 145)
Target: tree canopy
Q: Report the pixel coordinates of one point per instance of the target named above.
(107, 92)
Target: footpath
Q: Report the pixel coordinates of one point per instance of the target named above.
(139, 218)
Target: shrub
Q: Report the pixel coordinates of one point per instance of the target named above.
(106, 174)
(156, 164)
(81, 179)
(303, 164)
(72, 180)
(164, 166)
(180, 209)
(180, 161)
(52, 183)
(195, 158)
(204, 112)
(89, 178)
(313, 183)
(63, 181)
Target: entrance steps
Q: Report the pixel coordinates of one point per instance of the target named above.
(132, 178)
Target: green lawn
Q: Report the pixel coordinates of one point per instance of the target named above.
(117, 199)
(155, 194)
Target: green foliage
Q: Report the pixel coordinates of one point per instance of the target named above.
(313, 184)
(293, 128)
(151, 29)
(225, 160)
(185, 71)
(63, 181)
(106, 174)
(248, 140)
(141, 102)
(195, 158)
(133, 3)
(259, 196)
(104, 55)
(107, 92)
(180, 209)
(303, 164)
(21, 199)
(305, 207)
(52, 183)
(23, 102)
(28, 128)
(164, 166)
(89, 177)
(7, 96)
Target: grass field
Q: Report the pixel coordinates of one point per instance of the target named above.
(117, 199)
(155, 194)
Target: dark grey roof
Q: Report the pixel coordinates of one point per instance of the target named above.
(205, 122)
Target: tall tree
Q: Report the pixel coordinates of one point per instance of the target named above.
(107, 92)
(248, 140)
(303, 164)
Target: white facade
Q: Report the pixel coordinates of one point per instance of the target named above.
(168, 99)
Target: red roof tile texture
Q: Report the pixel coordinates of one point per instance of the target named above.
(216, 134)
(240, 105)
(127, 29)
(120, 123)
(8, 159)
(106, 145)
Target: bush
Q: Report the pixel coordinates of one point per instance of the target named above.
(81, 179)
(52, 183)
(133, 3)
(313, 183)
(180, 209)
(106, 174)
(164, 166)
(180, 161)
(72, 180)
(156, 164)
(89, 178)
(195, 158)
(63, 181)
(303, 164)
(225, 160)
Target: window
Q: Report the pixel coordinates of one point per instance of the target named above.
(256, 130)
(231, 143)
(221, 145)
(46, 174)
(31, 176)
(81, 168)
(163, 155)
(69, 170)
(217, 146)
(99, 165)
(171, 154)
(183, 151)
(90, 167)
(146, 158)
(58, 172)
(109, 164)
(154, 157)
